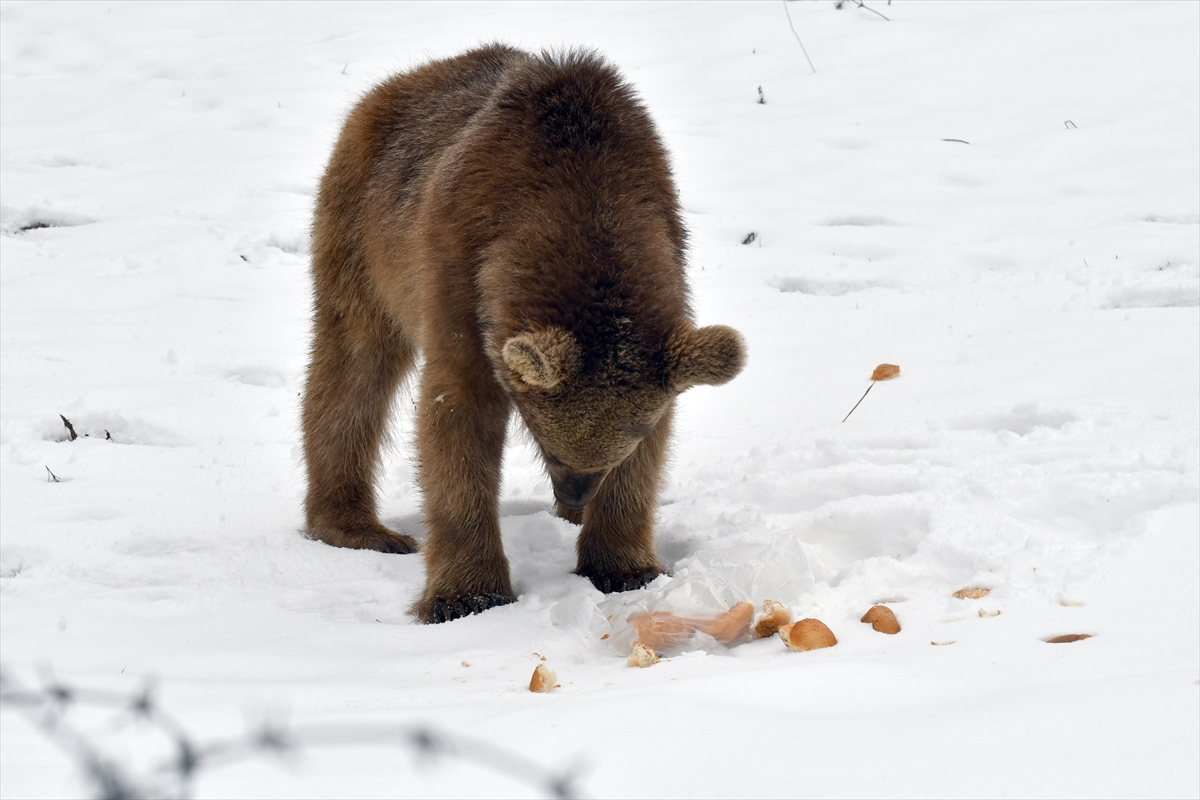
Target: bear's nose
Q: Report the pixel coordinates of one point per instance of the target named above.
(576, 489)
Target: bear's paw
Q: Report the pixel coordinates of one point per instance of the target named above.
(431, 610)
(621, 580)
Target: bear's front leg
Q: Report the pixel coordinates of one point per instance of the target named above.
(616, 547)
(460, 441)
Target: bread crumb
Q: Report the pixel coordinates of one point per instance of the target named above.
(643, 656)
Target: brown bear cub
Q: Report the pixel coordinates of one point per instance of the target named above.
(513, 219)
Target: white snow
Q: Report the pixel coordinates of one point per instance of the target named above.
(1002, 198)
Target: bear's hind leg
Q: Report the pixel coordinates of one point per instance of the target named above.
(616, 547)
(357, 365)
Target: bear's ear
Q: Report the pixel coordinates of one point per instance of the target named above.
(542, 359)
(705, 356)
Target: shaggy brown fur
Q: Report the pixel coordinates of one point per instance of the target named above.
(513, 218)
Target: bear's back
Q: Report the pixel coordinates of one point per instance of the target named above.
(586, 233)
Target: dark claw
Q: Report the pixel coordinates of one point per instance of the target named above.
(610, 582)
(400, 544)
(444, 609)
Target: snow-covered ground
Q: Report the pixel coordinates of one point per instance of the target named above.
(1003, 199)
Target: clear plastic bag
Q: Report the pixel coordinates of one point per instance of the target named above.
(704, 586)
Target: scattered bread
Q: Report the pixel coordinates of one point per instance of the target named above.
(731, 625)
(885, 372)
(662, 630)
(543, 680)
(775, 616)
(882, 619)
(942, 644)
(983, 613)
(972, 594)
(1068, 637)
(807, 634)
(642, 656)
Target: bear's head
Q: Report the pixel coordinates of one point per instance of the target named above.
(588, 418)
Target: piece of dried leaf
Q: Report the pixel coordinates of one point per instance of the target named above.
(775, 616)
(885, 372)
(972, 594)
(882, 619)
(543, 680)
(807, 634)
(642, 656)
(1068, 637)
(942, 644)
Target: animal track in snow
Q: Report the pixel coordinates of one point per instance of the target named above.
(859, 221)
(881, 528)
(822, 287)
(16, 221)
(1022, 420)
(107, 426)
(257, 375)
(813, 490)
(1155, 297)
(1172, 219)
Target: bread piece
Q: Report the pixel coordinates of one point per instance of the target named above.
(731, 625)
(775, 616)
(882, 619)
(1068, 637)
(662, 630)
(971, 594)
(543, 679)
(642, 656)
(807, 634)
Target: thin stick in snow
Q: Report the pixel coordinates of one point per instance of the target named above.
(793, 27)
(864, 397)
(862, 4)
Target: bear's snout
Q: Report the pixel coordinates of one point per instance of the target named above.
(576, 489)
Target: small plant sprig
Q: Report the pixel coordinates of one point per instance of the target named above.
(884, 372)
